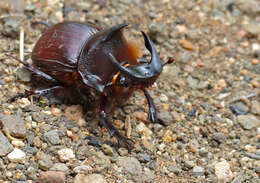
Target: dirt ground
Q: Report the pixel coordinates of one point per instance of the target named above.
(208, 100)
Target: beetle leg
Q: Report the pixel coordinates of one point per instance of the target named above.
(34, 92)
(111, 129)
(152, 115)
(34, 69)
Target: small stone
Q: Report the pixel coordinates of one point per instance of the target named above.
(107, 150)
(165, 117)
(187, 44)
(255, 107)
(197, 171)
(219, 137)
(141, 128)
(255, 84)
(13, 126)
(52, 177)
(56, 111)
(144, 158)
(23, 102)
(60, 167)
(142, 116)
(122, 151)
(223, 172)
(163, 98)
(130, 164)
(239, 108)
(74, 112)
(255, 61)
(84, 169)
(248, 121)
(175, 169)
(18, 143)
(52, 137)
(66, 154)
(5, 145)
(189, 164)
(93, 141)
(169, 136)
(91, 178)
(220, 84)
(17, 156)
(23, 74)
(44, 161)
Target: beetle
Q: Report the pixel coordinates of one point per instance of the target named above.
(82, 59)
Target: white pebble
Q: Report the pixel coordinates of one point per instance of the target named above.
(18, 143)
(66, 154)
(223, 172)
(17, 156)
(163, 98)
(141, 128)
(255, 47)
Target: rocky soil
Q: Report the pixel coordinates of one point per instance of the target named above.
(208, 99)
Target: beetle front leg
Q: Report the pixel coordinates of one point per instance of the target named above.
(111, 129)
(152, 114)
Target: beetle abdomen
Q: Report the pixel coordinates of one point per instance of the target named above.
(59, 47)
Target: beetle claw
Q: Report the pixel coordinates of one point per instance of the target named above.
(152, 116)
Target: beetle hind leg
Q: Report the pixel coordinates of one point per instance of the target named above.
(34, 92)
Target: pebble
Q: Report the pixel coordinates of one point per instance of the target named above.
(165, 117)
(255, 107)
(52, 177)
(163, 98)
(82, 169)
(239, 108)
(144, 158)
(130, 164)
(94, 141)
(91, 178)
(23, 74)
(52, 137)
(142, 116)
(23, 102)
(141, 128)
(220, 137)
(189, 164)
(223, 172)
(187, 44)
(248, 121)
(107, 149)
(6, 146)
(122, 151)
(44, 161)
(66, 155)
(60, 167)
(16, 156)
(13, 126)
(198, 171)
(175, 169)
(18, 143)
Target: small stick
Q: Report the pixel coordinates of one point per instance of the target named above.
(21, 44)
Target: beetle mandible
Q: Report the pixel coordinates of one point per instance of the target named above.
(84, 58)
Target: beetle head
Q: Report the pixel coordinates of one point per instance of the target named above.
(141, 75)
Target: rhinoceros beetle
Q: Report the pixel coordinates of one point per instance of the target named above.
(89, 60)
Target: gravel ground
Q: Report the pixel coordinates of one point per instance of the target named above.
(208, 99)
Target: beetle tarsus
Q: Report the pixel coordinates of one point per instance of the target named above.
(152, 114)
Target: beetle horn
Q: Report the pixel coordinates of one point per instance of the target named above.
(143, 71)
(110, 32)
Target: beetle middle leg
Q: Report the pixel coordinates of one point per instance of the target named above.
(111, 129)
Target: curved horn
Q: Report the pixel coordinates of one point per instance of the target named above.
(143, 71)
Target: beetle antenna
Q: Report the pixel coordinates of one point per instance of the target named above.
(170, 60)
